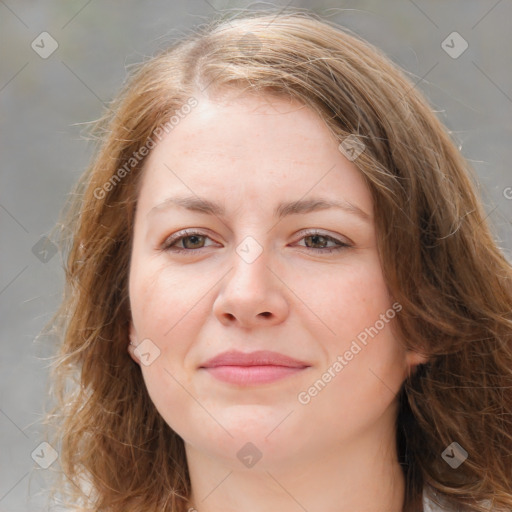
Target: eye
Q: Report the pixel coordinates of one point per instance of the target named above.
(189, 240)
(192, 241)
(316, 237)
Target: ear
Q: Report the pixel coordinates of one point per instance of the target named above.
(414, 359)
(133, 343)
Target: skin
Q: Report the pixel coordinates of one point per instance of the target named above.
(337, 452)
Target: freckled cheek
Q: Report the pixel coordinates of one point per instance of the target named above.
(349, 299)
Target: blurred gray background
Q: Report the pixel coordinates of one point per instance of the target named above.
(46, 91)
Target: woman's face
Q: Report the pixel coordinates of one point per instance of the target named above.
(263, 266)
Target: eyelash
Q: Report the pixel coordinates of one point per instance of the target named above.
(169, 242)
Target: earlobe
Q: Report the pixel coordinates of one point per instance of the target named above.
(414, 359)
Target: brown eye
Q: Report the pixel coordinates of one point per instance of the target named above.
(185, 241)
(192, 241)
(322, 240)
(317, 239)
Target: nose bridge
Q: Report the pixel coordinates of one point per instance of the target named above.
(252, 243)
(251, 293)
(253, 254)
(251, 262)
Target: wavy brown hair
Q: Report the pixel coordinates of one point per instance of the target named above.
(438, 254)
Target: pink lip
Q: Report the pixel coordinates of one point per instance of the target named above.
(252, 368)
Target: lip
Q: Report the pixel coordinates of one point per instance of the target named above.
(258, 367)
(258, 358)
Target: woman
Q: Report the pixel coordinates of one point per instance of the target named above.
(282, 293)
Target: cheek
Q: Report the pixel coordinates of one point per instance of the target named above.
(161, 299)
(167, 308)
(374, 359)
(163, 311)
(348, 300)
(359, 314)
(358, 391)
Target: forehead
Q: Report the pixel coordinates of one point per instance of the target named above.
(237, 125)
(258, 147)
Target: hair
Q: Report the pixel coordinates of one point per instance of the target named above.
(439, 259)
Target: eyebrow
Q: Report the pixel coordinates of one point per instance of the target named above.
(300, 206)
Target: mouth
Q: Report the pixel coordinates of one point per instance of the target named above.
(247, 375)
(261, 367)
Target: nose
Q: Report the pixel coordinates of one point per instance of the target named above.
(252, 294)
